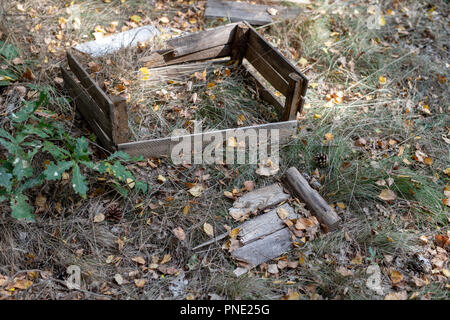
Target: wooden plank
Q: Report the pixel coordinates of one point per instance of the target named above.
(116, 42)
(279, 62)
(165, 59)
(294, 98)
(266, 70)
(255, 14)
(256, 200)
(120, 121)
(91, 86)
(324, 213)
(264, 224)
(163, 146)
(202, 40)
(84, 105)
(95, 112)
(263, 92)
(240, 43)
(265, 249)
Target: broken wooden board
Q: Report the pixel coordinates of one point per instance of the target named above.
(301, 188)
(258, 200)
(111, 44)
(264, 224)
(265, 249)
(254, 14)
(166, 146)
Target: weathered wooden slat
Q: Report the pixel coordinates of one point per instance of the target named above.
(263, 92)
(95, 112)
(90, 85)
(202, 40)
(240, 42)
(120, 120)
(264, 224)
(85, 104)
(258, 200)
(265, 249)
(279, 62)
(255, 14)
(266, 70)
(163, 146)
(294, 98)
(168, 59)
(298, 184)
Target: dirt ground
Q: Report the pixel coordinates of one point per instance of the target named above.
(376, 105)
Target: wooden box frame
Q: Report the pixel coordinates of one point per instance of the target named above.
(108, 115)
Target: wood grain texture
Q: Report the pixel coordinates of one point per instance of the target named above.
(120, 120)
(202, 40)
(165, 59)
(279, 62)
(240, 43)
(294, 97)
(90, 85)
(299, 186)
(85, 105)
(259, 199)
(266, 69)
(264, 224)
(265, 249)
(162, 147)
(255, 14)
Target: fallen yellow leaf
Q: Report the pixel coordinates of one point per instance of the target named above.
(135, 18)
(387, 195)
(209, 230)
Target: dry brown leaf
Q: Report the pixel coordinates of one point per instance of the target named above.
(119, 279)
(344, 271)
(139, 259)
(282, 213)
(166, 258)
(249, 185)
(387, 195)
(396, 277)
(196, 190)
(179, 233)
(209, 230)
(140, 283)
(99, 217)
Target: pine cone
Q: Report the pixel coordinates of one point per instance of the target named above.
(321, 159)
(114, 212)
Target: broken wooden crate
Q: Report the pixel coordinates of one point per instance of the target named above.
(108, 115)
(277, 224)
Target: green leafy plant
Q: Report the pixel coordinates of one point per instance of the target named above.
(8, 73)
(32, 135)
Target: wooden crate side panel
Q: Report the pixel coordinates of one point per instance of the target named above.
(85, 105)
(166, 58)
(266, 70)
(162, 147)
(263, 92)
(283, 66)
(90, 85)
(202, 40)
